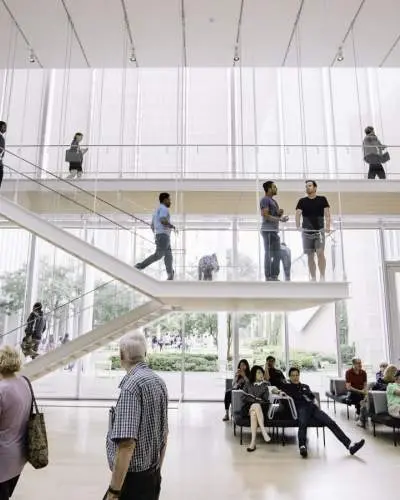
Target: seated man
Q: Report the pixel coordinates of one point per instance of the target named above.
(273, 375)
(308, 412)
(207, 265)
(393, 397)
(356, 384)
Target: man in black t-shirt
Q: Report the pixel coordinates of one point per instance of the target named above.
(315, 212)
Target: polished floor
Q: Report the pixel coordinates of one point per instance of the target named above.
(205, 461)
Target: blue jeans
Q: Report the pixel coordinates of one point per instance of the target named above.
(272, 255)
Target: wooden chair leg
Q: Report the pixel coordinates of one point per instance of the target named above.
(317, 432)
(234, 429)
(348, 413)
(241, 434)
(334, 407)
(283, 436)
(374, 427)
(394, 436)
(323, 434)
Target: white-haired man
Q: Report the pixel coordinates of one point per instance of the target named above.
(137, 437)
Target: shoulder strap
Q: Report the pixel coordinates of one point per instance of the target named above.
(34, 403)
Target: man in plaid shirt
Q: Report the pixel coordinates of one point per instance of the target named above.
(138, 427)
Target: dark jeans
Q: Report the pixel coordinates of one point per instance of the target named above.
(355, 399)
(163, 249)
(376, 170)
(272, 256)
(7, 488)
(311, 413)
(228, 399)
(142, 485)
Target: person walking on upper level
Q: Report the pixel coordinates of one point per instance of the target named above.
(315, 212)
(161, 226)
(373, 154)
(74, 157)
(271, 216)
(3, 130)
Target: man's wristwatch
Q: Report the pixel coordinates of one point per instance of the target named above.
(114, 492)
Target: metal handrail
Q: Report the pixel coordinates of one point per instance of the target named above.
(79, 188)
(161, 145)
(62, 195)
(48, 314)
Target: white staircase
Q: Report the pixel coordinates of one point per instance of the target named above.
(100, 336)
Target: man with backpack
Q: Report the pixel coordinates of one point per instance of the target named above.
(35, 327)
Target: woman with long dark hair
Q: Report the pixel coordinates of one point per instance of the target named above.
(76, 154)
(257, 402)
(241, 378)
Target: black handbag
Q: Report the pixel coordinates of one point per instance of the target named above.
(376, 158)
(385, 157)
(73, 156)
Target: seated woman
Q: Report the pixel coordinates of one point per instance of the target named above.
(257, 402)
(389, 376)
(241, 378)
(393, 397)
(382, 368)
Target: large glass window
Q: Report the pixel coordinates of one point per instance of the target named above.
(362, 316)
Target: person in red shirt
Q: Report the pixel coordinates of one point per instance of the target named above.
(356, 384)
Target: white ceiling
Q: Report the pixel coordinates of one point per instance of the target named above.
(93, 33)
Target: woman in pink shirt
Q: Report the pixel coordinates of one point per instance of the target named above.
(15, 408)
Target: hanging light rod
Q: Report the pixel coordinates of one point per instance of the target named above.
(32, 56)
(132, 56)
(21, 32)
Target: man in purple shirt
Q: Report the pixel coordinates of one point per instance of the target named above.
(271, 215)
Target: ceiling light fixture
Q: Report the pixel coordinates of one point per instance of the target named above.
(236, 57)
(32, 57)
(132, 57)
(340, 56)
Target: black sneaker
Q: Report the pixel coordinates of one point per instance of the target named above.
(303, 451)
(356, 446)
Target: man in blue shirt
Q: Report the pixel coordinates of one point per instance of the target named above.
(161, 227)
(271, 215)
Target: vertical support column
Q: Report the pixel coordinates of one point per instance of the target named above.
(32, 277)
(386, 297)
(287, 339)
(85, 318)
(233, 123)
(234, 321)
(338, 346)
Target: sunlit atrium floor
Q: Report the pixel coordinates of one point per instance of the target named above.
(205, 461)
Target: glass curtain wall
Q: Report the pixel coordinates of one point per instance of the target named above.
(195, 352)
(288, 122)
